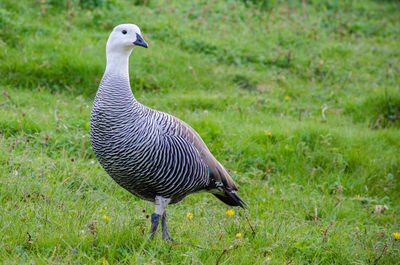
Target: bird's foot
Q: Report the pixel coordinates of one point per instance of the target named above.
(165, 234)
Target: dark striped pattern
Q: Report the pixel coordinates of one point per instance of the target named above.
(143, 150)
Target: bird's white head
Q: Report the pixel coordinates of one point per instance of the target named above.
(120, 43)
(124, 37)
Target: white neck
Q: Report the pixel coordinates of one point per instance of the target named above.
(118, 63)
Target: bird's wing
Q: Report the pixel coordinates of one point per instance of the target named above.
(218, 172)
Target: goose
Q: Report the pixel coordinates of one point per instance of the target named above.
(153, 155)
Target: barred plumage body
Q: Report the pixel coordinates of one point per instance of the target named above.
(142, 149)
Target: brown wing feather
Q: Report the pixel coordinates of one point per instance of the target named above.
(220, 173)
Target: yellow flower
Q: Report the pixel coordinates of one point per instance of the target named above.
(287, 98)
(238, 235)
(230, 213)
(189, 216)
(357, 196)
(268, 133)
(106, 218)
(396, 235)
(357, 228)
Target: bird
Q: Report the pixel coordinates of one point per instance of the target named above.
(153, 155)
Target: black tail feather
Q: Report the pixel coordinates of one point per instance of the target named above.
(231, 198)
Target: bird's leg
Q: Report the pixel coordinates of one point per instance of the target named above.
(155, 219)
(161, 203)
(165, 234)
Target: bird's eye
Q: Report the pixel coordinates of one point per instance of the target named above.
(124, 32)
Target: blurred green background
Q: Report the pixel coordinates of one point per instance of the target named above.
(300, 99)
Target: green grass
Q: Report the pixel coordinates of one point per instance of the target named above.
(225, 67)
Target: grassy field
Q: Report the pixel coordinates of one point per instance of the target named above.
(299, 99)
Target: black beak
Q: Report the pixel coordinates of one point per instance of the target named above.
(140, 41)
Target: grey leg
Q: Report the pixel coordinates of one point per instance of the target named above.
(165, 234)
(155, 219)
(161, 203)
